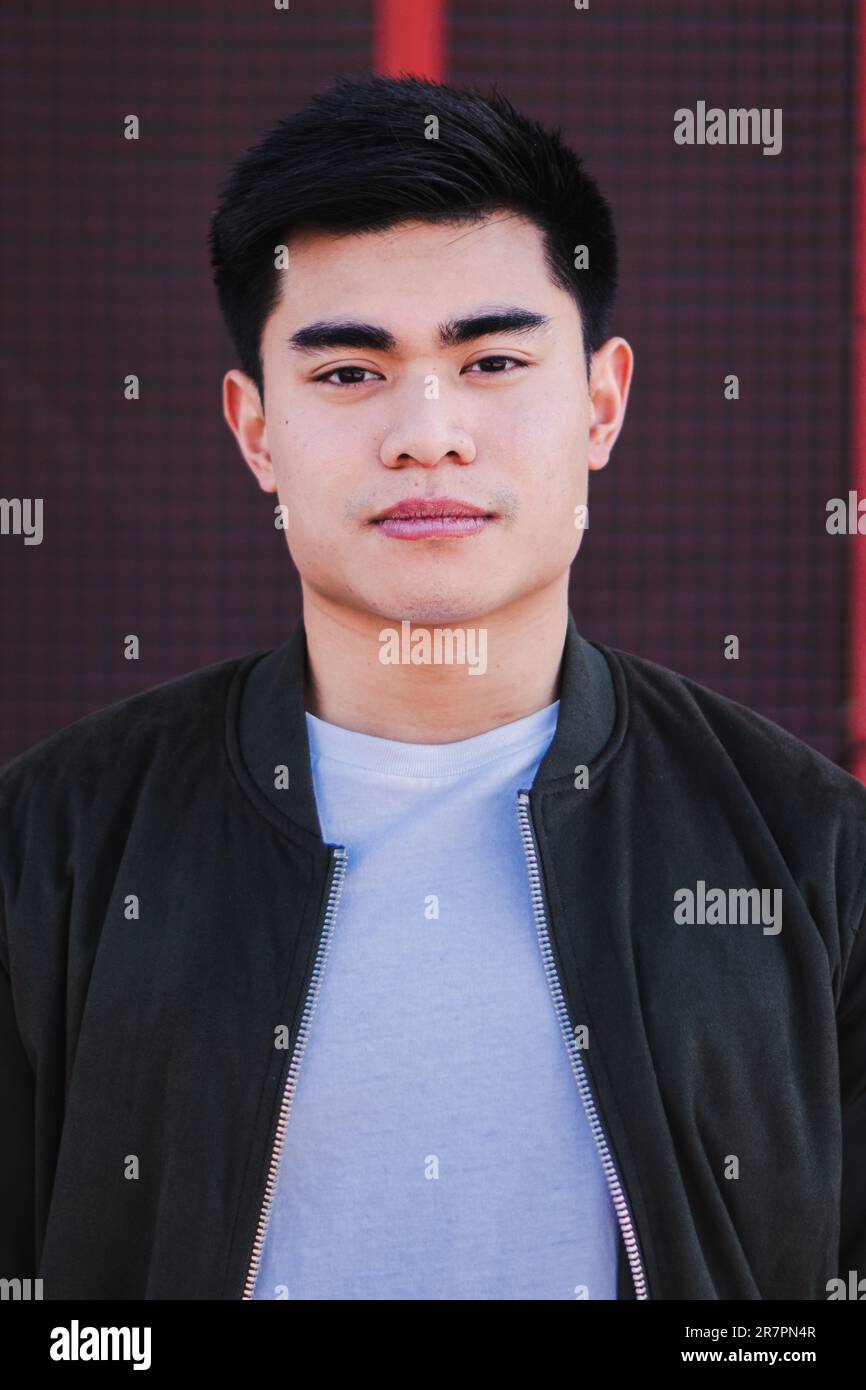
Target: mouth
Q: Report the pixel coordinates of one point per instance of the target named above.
(418, 518)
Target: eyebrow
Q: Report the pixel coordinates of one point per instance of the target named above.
(351, 333)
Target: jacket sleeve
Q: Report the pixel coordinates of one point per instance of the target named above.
(17, 1148)
(851, 1024)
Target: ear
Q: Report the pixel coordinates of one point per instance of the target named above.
(610, 382)
(245, 416)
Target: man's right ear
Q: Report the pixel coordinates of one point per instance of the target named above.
(244, 414)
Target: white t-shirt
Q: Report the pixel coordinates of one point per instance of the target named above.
(436, 1147)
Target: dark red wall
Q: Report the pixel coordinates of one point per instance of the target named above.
(710, 518)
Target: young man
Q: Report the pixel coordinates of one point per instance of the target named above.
(439, 953)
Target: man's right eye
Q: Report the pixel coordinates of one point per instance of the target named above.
(338, 371)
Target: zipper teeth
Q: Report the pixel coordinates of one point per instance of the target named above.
(623, 1214)
(339, 861)
(339, 871)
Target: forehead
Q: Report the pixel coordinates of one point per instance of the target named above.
(430, 268)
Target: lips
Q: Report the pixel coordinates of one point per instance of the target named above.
(415, 508)
(426, 518)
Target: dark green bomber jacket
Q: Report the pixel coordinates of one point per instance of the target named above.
(721, 1061)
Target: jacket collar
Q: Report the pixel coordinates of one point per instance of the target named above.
(272, 726)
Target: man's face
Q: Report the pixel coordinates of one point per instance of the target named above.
(500, 420)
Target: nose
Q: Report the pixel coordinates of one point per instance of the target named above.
(425, 432)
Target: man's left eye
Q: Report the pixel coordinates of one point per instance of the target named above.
(496, 359)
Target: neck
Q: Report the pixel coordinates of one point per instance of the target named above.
(347, 683)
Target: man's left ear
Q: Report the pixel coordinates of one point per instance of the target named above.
(610, 383)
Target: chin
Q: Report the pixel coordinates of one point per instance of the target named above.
(437, 610)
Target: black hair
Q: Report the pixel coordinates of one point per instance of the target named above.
(356, 158)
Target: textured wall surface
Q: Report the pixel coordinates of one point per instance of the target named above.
(709, 519)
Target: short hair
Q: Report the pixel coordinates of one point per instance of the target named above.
(355, 159)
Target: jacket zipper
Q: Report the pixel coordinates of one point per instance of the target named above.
(623, 1215)
(339, 860)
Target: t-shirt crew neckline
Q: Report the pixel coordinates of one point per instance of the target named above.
(397, 759)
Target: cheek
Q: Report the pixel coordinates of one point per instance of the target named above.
(550, 421)
(309, 459)
(553, 491)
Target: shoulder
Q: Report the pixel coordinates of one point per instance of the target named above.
(698, 714)
(689, 721)
(126, 736)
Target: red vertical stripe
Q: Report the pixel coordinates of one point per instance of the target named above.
(410, 37)
(857, 577)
